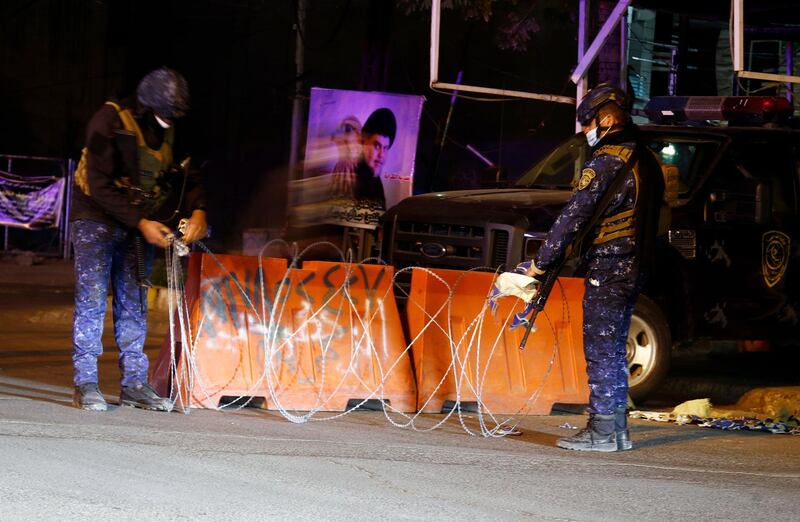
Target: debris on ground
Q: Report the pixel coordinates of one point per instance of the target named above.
(789, 426)
(508, 430)
(695, 408)
(701, 413)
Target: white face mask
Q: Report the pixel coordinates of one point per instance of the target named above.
(164, 124)
(591, 137)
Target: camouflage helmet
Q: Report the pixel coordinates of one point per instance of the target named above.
(165, 92)
(601, 95)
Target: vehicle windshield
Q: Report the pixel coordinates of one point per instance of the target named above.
(559, 167)
(684, 160)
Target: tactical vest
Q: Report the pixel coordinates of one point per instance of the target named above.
(150, 189)
(641, 221)
(622, 224)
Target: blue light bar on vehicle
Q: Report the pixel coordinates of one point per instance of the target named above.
(743, 110)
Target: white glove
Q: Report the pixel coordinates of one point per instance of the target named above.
(519, 285)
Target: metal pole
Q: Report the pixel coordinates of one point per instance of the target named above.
(436, 12)
(67, 207)
(5, 232)
(62, 207)
(623, 51)
(453, 99)
(297, 103)
(583, 27)
(789, 69)
(738, 35)
(599, 40)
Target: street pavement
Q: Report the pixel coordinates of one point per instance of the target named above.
(61, 463)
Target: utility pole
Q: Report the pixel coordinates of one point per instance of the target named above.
(297, 103)
(583, 35)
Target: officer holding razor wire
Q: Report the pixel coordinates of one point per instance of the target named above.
(125, 193)
(614, 211)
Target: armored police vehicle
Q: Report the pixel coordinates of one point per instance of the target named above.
(727, 259)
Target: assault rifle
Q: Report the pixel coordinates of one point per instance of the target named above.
(551, 276)
(542, 293)
(138, 197)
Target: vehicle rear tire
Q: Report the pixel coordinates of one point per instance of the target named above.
(649, 349)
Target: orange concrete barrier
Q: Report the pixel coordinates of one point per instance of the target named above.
(326, 335)
(489, 363)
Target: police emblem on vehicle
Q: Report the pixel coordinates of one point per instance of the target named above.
(433, 250)
(774, 256)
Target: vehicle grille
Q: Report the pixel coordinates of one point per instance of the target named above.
(499, 248)
(440, 229)
(461, 246)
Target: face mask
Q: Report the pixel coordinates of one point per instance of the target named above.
(591, 137)
(164, 124)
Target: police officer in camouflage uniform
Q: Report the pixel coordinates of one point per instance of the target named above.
(616, 255)
(120, 182)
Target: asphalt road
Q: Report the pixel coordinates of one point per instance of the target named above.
(60, 463)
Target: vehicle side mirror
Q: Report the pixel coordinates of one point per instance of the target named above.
(493, 177)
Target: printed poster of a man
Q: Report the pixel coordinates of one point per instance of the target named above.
(359, 157)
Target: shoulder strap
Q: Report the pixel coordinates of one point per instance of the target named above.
(128, 121)
(620, 151)
(631, 156)
(131, 126)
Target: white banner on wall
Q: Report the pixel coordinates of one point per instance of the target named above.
(30, 202)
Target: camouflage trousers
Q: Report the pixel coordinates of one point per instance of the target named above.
(612, 287)
(103, 254)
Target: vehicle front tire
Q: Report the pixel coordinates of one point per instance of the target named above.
(649, 349)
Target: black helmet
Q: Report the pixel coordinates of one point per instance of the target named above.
(165, 92)
(601, 95)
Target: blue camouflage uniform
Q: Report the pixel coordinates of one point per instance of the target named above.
(612, 261)
(103, 253)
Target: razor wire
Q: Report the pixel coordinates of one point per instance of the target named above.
(186, 377)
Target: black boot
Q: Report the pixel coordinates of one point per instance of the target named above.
(88, 397)
(621, 429)
(597, 436)
(143, 396)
